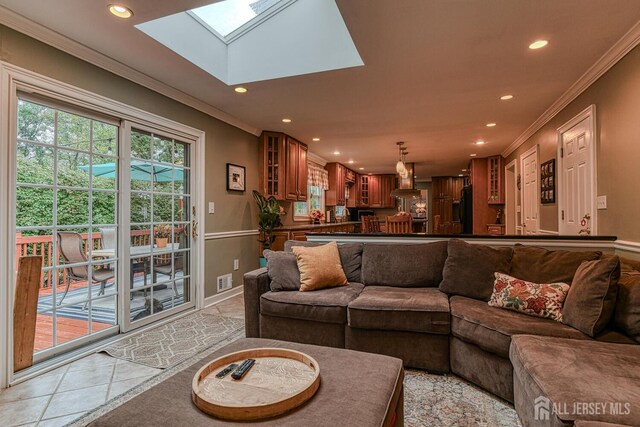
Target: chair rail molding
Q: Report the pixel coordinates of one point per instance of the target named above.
(67, 45)
(230, 234)
(610, 58)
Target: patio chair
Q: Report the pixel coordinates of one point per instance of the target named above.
(167, 269)
(70, 247)
(108, 240)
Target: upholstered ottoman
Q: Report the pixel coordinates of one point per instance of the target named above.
(356, 389)
(558, 381)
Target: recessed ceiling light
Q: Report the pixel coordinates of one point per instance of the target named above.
(490, 125)
(336, 153)
(350, 162)
(241, 89)
(120, 11)
(473, 155)
(316, 139)
(506, 97)
(286, 120)
(480, 142)
(538, 44)
(464, 170)
(460, 174)
(361, 169)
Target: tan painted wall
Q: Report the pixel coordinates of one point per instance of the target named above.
(617, 98)
(224, 143)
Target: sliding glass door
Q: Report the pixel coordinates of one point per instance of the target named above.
(66, 214)
(160, 201)
(108, 206)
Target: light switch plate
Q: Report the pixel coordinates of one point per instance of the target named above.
(602, 202)
(236, 264)
(212, 207)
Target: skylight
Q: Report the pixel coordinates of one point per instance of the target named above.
(227, 16)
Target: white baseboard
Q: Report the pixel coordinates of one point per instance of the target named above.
(223, 296)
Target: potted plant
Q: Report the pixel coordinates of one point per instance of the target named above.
(316, 216)
(162, 232)
(269, 215)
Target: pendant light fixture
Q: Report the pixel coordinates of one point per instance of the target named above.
(400, 167)
(405, 172)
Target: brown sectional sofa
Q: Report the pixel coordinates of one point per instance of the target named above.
(399, 309)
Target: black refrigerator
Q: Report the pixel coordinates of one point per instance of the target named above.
(466, 210)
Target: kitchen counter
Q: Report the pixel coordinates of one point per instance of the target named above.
(306, 226)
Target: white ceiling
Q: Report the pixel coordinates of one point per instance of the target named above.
(434, 71)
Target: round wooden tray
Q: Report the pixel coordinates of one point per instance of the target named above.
(279, 381)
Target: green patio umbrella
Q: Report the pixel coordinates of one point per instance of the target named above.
(140, 171)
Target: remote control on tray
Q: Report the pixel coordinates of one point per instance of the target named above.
(243, 369)
(226, 370)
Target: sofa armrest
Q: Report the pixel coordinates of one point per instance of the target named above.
(256, 283)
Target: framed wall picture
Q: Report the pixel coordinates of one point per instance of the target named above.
(548, 182)
(236, 175)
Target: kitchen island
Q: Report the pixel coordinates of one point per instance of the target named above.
(300, 231)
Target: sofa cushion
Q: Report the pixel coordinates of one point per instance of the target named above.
(491, 328)
(573, 373)
(540, 265)
(320, 267)
(283, 272)
(626, 317)
(402, 265)
(350, 256)
(326, 305)
(534, 299)
(400, 309)
(592, 297)
(469, 269)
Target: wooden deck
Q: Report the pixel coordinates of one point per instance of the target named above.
(68, 329)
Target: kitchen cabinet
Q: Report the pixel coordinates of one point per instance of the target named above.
(375, 201)
(299, 232)
(387, 185)
(272, 164)
(283, 163)
(446, 192)
(340, 177)
(363, 191)
(295, 183)
(484, 211)
(495, 181)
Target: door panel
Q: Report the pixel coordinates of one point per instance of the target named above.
(577, 190)
(530, 193)
(302, 173)
(291, 162)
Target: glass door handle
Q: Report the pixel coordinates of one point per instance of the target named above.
(194, 228)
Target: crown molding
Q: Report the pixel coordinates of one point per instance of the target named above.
(313, 157)
(45, 35)
(623, 46)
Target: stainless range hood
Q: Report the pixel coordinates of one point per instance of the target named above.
(406, 188)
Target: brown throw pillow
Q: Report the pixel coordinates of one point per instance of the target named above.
(541, 265)
(319, 267)
(469, 269)
(592, 297)
(627, 311)
(350, 256)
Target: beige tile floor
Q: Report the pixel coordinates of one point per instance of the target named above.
(60, 396)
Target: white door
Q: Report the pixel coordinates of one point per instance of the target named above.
(530, 191)
(576, 170)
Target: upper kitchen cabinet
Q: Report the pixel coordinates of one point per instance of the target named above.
(495, 181)
(284, 167)
(295, 184)
(272, 164)
(337, 193)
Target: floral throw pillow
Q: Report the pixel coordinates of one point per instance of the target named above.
(541, 300)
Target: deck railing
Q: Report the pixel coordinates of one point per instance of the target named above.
(43, 246)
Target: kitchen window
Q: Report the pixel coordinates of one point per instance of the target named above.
(315, 200)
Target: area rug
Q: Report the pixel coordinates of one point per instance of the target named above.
(176, 341)
(438, 400)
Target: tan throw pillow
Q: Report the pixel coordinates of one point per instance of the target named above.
(319, 266)
(540, 300)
